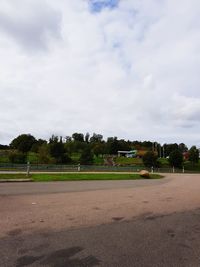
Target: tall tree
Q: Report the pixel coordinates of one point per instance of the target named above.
(194, 155)
(78, 137)
(176, 159)
(57, 150)
(112, 145)
(182, 147)
(96, 138)
(87, 137)
(170, 148)
(150, 159)
(23, 142)
(86, 156)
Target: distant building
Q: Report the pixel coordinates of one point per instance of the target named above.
(128, 154)
(186, 155)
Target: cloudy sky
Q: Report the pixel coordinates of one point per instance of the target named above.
(126, 68)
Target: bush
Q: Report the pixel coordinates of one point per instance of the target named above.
(44, 155)
(17, 157)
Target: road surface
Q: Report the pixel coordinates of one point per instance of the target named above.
(72, 186)
(152, 223)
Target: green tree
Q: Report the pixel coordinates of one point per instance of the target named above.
(99, 149)
(23, 142)
(87, 137)
(194, 155)
(170, 148)
(182, 147)
(150, 159)
(44, 155)
(86, 156)
(57, 150)
(123, 145)
(176, 158)
(112, 145)
(78, 137)
(4, 147)
(96, 138)
(35, 147)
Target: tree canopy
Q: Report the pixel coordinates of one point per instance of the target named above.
(23, 142)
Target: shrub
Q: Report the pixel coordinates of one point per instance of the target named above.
(17, 157)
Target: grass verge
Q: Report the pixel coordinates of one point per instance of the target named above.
(44, 177)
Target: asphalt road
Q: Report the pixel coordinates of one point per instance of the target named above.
(172, 240)
(70, 186)
(139, 225)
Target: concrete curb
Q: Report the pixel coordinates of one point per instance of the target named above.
(15, 180)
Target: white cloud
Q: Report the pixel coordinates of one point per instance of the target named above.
(130, 71)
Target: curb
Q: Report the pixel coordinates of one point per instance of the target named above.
(15, 180)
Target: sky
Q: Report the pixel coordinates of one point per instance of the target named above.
(126, 68)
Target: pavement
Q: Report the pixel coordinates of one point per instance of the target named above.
(101, 223)
(72, 186)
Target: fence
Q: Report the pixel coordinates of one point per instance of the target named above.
(85, 168)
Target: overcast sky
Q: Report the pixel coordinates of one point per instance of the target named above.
(126, 68)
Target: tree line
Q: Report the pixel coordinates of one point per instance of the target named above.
(59, 149)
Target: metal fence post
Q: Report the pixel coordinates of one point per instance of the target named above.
(152, 169)
(79, 167)
(28, 169)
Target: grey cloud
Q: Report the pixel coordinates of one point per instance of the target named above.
(142, 88)
(33, 29)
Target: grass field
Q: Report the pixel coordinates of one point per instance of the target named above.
(43, 177)
(123, 161)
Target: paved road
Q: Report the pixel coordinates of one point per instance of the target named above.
(152, 223)
(163, 241)
(70, 186)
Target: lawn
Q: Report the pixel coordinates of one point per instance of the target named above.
(32, 157)
(123, 161)
(44, 177)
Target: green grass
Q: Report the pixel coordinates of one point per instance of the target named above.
(12, 176)
(123, 161)
(98, 161)
(4, 159)
(192, 167)
(4, 156)
(164, 162)
(43, 177)
(32, 157)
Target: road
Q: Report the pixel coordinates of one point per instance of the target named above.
(70, 186)
(152, 223)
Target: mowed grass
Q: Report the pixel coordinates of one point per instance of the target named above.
(44, 177)
(123, 161)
